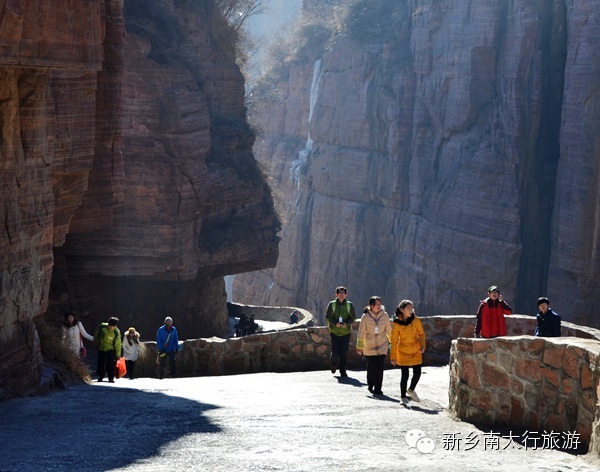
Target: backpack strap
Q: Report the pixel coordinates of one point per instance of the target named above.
(344, 308)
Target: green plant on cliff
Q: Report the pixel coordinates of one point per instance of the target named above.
(375, 21)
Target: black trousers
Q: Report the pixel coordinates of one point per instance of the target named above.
(375, 372)
(162, 363)
(339, 350)
(404, 378)
(130, 369)
(106, 364)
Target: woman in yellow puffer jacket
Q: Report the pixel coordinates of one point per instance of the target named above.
(408, 345)
(373, 341)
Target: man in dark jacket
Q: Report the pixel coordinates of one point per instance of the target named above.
(548, 322)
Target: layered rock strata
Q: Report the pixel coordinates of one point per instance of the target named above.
(42, 45)
(175, 199)
(457, 152)
(129, 184)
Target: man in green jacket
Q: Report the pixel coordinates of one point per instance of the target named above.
(108, 339)
(340, 316)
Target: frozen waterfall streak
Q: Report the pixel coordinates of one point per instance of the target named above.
(298, 164)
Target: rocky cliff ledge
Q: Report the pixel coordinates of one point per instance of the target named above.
(453, 150)
(128, 181)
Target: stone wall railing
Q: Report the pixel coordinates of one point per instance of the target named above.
(528, 383)
(272, 313)
(305, 348)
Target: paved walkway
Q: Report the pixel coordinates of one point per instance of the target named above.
(307, 421)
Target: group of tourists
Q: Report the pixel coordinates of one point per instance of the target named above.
(111, 347)
(245, 326)
(491, 322)
(404, 337)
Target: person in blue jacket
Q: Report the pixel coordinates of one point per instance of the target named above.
(548, 321)
(167, 343)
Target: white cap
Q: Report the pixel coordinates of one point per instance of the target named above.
(168, 318)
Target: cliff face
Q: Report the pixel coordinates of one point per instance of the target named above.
(175, 199)
(36, 40)
(457, 153)
(129, 187)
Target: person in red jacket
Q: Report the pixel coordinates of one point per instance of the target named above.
(490, 315)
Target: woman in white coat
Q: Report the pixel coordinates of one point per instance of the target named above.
(73, 333)
(131, 350)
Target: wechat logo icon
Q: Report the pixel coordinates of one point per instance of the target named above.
(415, 438)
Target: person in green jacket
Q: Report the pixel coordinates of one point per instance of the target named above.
(340, 316)
(108, 340)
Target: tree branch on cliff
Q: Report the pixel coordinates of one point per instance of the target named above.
(238, 11)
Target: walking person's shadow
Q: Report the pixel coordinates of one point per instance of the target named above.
(350, 381)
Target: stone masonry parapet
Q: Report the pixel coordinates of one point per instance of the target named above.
(303, 348)
(272, 313)
(529, 383)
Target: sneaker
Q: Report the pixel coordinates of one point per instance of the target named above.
(404, 401)
(343, 373)
(377, 392)
(413, 395)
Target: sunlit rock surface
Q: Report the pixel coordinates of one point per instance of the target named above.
(41, 47)
(459, 153)
(189, 204)
(129, 187)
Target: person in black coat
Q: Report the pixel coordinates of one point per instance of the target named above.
(548, 322)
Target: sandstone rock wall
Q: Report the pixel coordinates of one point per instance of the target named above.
(129, 187)
(457, 154)
(41, 46)
(175, 199)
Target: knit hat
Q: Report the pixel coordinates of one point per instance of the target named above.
(168, 318)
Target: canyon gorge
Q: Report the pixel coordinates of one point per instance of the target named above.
(429, 149)
(420, 149)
